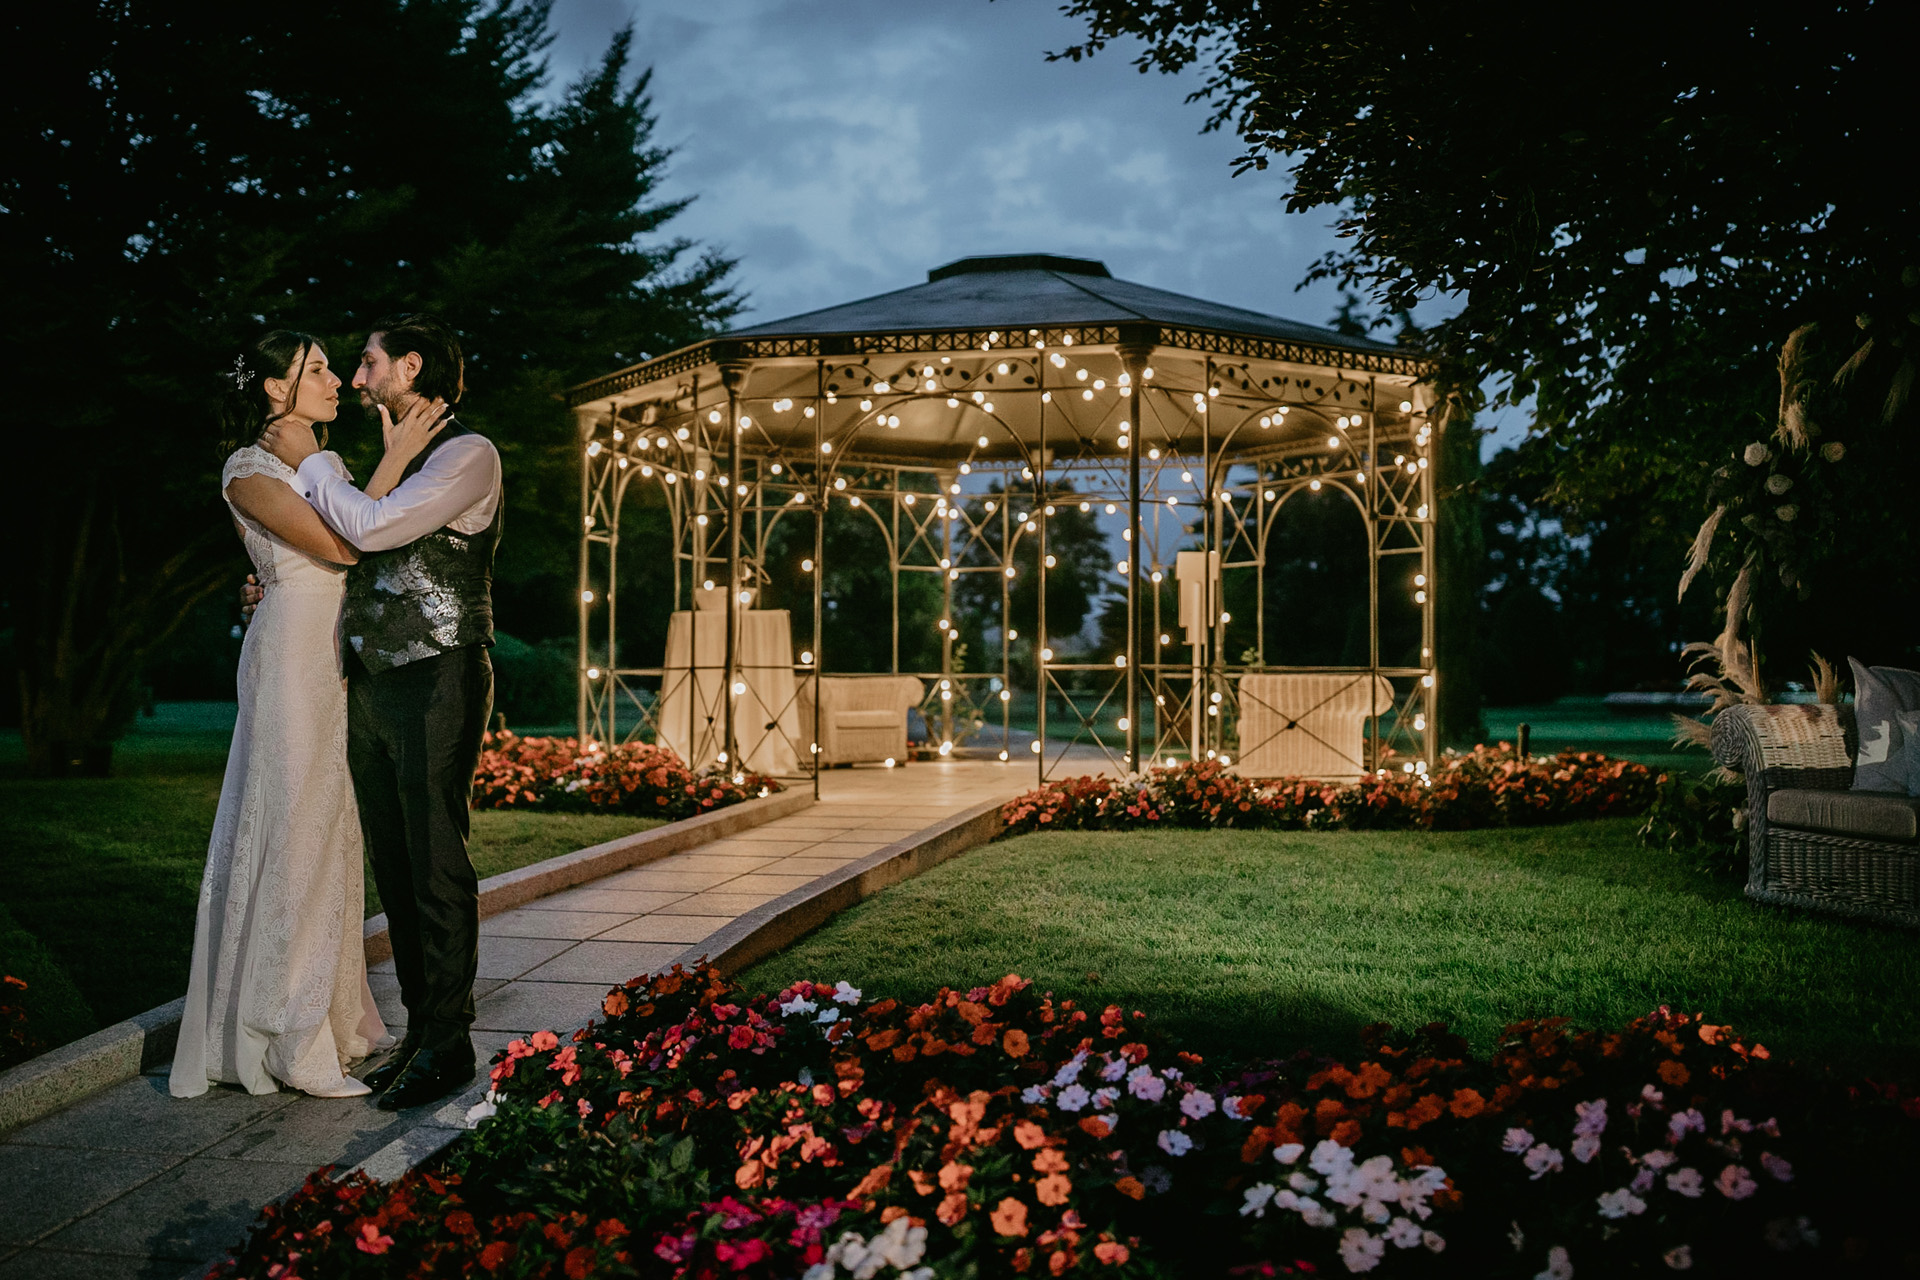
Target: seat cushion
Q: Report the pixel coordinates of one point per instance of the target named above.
(1867, 815)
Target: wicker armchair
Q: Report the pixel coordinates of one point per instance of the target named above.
(1811, 841)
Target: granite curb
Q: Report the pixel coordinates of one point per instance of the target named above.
(751, 937)
(61, 1077)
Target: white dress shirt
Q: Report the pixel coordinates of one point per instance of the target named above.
(457, 487)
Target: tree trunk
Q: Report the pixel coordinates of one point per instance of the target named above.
(1461, 555)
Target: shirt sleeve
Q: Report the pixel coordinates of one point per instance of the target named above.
(455, 478)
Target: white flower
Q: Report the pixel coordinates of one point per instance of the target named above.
(1288, 1152)
(1034, 1094)
(1433, 1241)
(1778, 484)
(1070, 1070)
(1174, 1142)
(1658, 1159)
(1735, 1183)
(1618, 1204)
(1146, 1086)
(846, 993)
(1680, 1257)
(1543, 1160)
(1404, 1233)
(481, 1110)
(1773, 1164)
(1593, 1116)
(818, 1271)
(799, 1004)
(1833, 451)
(1258, 1197)
(1315, 1214)
(1516, 1141)
(1652, 1094)
(1197, 1105)
(1787, 511)
(1686, 1182)
(1559, 1266)
(1103, 1099)
(1115, 1068)
(1330, 1157)
(1642, 1182)
(1302, 1183)
(1073, 1098)
(827, 1015)
(1361, 1250)
(1232, 1107)
(1756, 454)
(1586, 1147)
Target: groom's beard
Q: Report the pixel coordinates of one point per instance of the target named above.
(394, 399)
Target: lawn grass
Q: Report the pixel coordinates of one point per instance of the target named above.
(1245, 944)
(104, 873)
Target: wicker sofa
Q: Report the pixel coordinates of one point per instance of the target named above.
(863, 719)
(1813, 842)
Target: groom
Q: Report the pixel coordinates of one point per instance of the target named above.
(416, 625)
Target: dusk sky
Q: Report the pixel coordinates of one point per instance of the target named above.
(841, 148)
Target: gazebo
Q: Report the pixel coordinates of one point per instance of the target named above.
(958, 415)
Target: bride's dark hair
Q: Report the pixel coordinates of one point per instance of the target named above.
(245, 409)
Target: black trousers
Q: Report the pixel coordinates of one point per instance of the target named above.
(413, 738)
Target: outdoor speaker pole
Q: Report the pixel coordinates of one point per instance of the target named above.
(732, 375)
(1135, 349)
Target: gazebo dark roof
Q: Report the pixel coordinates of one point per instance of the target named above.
(1040, 289)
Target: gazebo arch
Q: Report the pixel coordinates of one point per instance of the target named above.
(1186, 422)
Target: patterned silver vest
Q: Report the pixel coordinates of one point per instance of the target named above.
(429, 597)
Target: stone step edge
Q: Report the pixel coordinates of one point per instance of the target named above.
(751, 937)
(61, 1077)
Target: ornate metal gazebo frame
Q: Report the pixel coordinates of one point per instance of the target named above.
(1146, 420)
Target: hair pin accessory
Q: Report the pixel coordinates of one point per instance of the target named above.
(239, 374)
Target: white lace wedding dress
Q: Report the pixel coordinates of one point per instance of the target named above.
(278, 990)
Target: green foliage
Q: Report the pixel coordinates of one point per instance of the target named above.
(193, 180)
(48, 1010)
(534, 684)
(1702, 819)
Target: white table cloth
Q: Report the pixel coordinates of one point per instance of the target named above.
(766, 717)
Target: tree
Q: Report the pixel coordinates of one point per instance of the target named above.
(186, 179)
(1632, 215)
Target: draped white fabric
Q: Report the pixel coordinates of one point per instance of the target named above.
(766, 718)
(278, 988)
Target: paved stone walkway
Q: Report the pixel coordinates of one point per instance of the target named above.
(135, 1183)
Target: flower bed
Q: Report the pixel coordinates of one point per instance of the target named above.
(560, 773)
(700, 1132)
(1486, 787)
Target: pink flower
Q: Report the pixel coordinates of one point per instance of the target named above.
(1586, 1147)
(1516, 1141)
(371, 1241)
(1686, 1182)
(1543, 1160)
(1690, 1119)
(1773, 1164)
(1197, 1105)
(1735, 1183)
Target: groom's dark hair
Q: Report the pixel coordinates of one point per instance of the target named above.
(442, 368)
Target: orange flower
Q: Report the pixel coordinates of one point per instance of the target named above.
(1132, 1188)
(1050, 1161)
(954, 1176)
(1112, 1252)
(496, 1255)
(1346, 1133)
(1674, 1073)
(1010, 1217)
(1053, 1189)
(749, 1175)
(952, 1208)
(1029, 1135)
(1466, 1104)
(1096, 1126)
(1015, 1043)
(921, 1182)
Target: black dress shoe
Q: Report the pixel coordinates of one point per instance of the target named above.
(390, 1067)
(429, 1075)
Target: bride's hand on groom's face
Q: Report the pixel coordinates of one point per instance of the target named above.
(415, 430)
(291, 442)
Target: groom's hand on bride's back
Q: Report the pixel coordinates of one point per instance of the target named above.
(291, 442)
(251, 594)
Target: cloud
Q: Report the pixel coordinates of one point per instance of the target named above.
(844, 147)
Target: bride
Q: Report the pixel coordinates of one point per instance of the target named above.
(278, 990)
